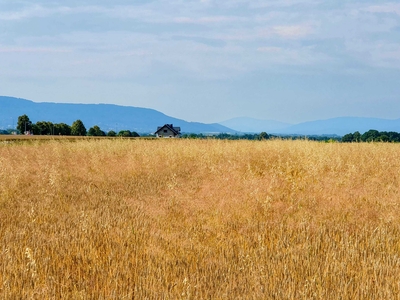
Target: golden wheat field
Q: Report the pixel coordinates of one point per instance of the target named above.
(199, 219)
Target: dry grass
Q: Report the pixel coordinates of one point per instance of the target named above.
(199, 219)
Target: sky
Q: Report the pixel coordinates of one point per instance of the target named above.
(207, 60)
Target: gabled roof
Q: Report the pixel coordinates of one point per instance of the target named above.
(175, 130)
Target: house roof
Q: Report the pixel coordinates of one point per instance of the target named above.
(175, 130)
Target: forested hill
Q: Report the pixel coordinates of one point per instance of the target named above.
(106, 116)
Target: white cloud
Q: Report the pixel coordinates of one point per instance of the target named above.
(209, 20)
(298, 56)
(288, 31)
(281, 3)
(120, 47)
(239, 26)
(40, 11)
(292, 31)
(254, 4)
(389, 8)
(33, 50)
(379, 54)
(34, 11)
(270, 49)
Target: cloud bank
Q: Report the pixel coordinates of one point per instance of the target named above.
(168, 43)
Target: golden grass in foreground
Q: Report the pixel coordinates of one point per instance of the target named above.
(199, 219)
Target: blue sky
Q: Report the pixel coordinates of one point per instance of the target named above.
(206, 60)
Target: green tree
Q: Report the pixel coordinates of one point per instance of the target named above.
(393, 136)
(62, 129)
(95, 131)
(78, 128)
(348, 138)
(263, 136)
(125, 133)
(384, 138)
(371, 136)
(111, 133)
(24, 124)
(43, 128)
(357, 137)
(190, 136)
(91, 132)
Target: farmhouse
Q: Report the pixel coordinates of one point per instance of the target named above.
(168, 131)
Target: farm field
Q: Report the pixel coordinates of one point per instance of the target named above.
(199, 219)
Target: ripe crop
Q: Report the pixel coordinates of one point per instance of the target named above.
(199, 219)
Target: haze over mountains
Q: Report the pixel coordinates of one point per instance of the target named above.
(335, 126)
(106, 116)
(342, 126)
(245, 124)
(144, 120)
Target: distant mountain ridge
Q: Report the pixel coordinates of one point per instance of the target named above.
(144, 120)
(334, 126)
(106, 116)
(342, 126)
(245, 124)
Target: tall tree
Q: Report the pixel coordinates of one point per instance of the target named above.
(357, 137)
(348, 138)
(78, 128)
(96, 131)
(62, 129)
(263, 136)
(125, 133)
(371, 136)
(24, 124)
(111, 133)
(394, 136)
(43, 128)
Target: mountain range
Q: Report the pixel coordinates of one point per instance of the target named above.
(250, 125)
(145, 120)
(106, 116)
(342, 125)
(335, 126)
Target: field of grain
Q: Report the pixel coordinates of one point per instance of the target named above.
(199, 219)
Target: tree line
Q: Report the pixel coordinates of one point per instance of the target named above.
(263, 136)
(227, 136)
(372, 136)
(25, 126)
(369, 136)
(77, 128)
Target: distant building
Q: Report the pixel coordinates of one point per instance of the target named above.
(168, 131)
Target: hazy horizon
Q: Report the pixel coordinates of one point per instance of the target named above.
(207, 61)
